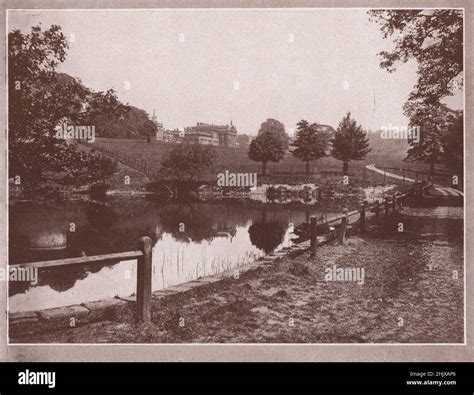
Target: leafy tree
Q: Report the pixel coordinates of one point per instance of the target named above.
(270, 145)
(434, 121)
(186, 161)
(453, 144)
(434, 38)
(277, 128)
(101, 167)
(129, 126)
(148, 130)
(100, 105)
(40, 99)
(88, 168)
(349, 143)
(311, 143)
(243, 140)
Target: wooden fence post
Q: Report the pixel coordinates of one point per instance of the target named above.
(422, 191)
(144, 271)
(386, 204)
(332, 234)
(313, 236)
(377, 209)
(342, 234)
(362, 216)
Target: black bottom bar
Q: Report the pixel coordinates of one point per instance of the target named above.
(321, 378)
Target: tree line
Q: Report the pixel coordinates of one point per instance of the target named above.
(312, 142)
(434, 39)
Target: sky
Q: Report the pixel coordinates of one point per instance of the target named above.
(242, 65)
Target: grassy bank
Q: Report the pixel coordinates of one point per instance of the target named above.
(236, 159)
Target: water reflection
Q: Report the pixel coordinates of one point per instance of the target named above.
(267, 234)
(190, 241)
(191, 223)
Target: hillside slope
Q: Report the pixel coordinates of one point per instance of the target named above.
(384, 153)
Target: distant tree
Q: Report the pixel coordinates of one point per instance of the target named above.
(186, 161)
(277, 128)
(243, 140)
(266, 148)
(100, 105)
(129, 126)
(148, 130)
(311, 143)
(102, 167)
(349, 143)
(270, 145)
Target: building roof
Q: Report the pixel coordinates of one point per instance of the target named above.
(201, 126)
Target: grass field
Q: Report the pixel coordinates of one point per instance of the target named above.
(384, 153)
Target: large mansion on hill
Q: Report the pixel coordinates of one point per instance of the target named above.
(202, 133)
(221, 135)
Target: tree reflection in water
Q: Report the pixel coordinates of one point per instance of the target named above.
(116, 226)
(190, 223)
(267, 235)
(99, 231)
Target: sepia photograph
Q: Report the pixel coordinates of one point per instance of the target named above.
(235, 176)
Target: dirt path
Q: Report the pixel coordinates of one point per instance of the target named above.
(438, 189)
(412, 292)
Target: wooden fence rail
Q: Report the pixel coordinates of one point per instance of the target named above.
(424, 173)
(390, 202)
(129, 161)
(144, 271)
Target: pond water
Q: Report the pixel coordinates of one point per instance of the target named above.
(190, 241)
